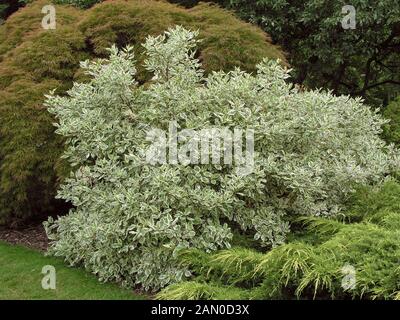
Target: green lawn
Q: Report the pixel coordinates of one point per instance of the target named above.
(20, 278)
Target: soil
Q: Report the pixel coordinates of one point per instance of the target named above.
(30, 236)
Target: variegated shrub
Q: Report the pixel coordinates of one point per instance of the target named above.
(130, 218)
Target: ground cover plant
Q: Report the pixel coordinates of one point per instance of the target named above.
(356, 258)
(132, 217)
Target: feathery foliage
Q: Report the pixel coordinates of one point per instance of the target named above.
(366, 252)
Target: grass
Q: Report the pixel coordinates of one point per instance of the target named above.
(21, 277)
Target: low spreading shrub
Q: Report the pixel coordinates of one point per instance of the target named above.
(132, 216)
(34, 60)
(356, 260)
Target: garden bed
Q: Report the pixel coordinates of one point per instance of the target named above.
(33, 236)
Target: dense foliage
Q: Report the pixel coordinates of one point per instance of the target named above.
(78, 3)
(7, 7)
(360, 62)
(34, 60)
(132, 217)
(332, 259)
(391, 131)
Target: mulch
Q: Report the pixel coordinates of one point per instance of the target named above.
(30, 236)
